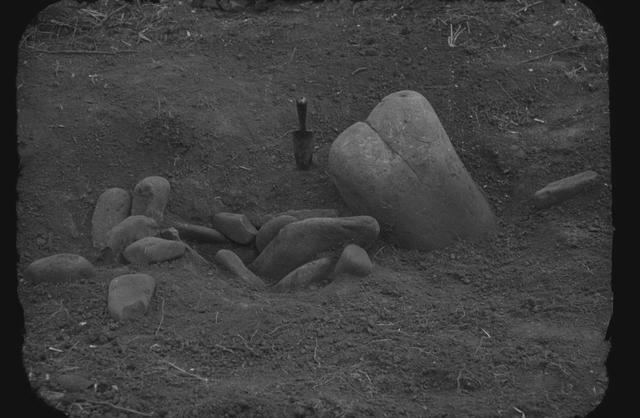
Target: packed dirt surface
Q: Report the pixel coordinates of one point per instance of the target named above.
(110, 93)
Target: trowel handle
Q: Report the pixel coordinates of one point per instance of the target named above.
(301, 106)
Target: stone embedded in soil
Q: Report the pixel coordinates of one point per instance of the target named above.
(59, 268)
(112, 207)
(153, 250)
(235, 226)
(150, 197)
(270, 229)
(130, 295)
(302, 241)
(401, 168)
(306, 275)
(200, 234)
(131, 229)
(73, 382)
(234, 264)
(561, 190)
(354, 260)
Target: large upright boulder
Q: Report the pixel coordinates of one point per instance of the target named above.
(400, 168)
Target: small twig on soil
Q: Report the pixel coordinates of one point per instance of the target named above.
(244, 342)
(222, 347)
(161, 317)
(277, 328)
(204, 379)
(80, 51)
(519, 411)
(507, 93)
(358, 70)
(111, 14)
(525, 8)
(315, 353)
(549, 53)
(120, 408)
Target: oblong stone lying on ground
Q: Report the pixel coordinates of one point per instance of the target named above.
(270, 229)
(200, 233)
(400, 167)
(304, 276)
(235, 226)
(130, 230)
(112, 207)
(59, 268)
(153, 250)
(301, 214)
(73, 382)
(354, 260)
(300, 242)
(234, 264)
(563, 189)
(130, 295)
(150, 197)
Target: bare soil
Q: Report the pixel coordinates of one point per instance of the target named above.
(512, 327)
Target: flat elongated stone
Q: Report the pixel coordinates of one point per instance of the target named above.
(131, 229)
(149, 250)
(563, 189)
(302, 241)
(300, 214)
(200, 233)
(304, 276)
(354, 260)
(130, 295)
(235, 226)
(150, 197)
(270, 229)
(234, 264)
(113, 206)
(59, 268)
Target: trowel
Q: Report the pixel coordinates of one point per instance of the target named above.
(303, 143)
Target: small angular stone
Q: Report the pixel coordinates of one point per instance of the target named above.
(130, 295)
(354, 260)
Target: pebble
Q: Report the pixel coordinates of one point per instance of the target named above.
(59, 268)
(153, 250)
(112, 207)
(561, 190)
(130, 295)
(235, 226)
(150, 197)
(131, 229)
(234, 264)
(73, 382)
(354, 260)
(306, 275)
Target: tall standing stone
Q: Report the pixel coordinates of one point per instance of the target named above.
(400, 167)
(150, 197)
(112, 207)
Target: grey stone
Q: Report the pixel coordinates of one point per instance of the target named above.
(200, 233)
(235, 226)
(59, 268)
(354, 260)
(170, 234)
(130, 295)
(561, 190)
(234, 264)
(400, 167)
(299, 214)
(150, 197)
(73, 382)
(306, 275)
(302, 241)
(153, 250)
(131, 229)
(270, 229)
(112, 207)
